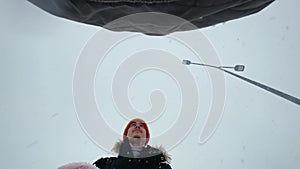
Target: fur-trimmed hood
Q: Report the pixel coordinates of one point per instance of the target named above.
(123, 148)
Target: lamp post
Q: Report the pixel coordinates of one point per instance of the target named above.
(236, 67)
(242, 68)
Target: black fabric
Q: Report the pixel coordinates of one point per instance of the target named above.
(150, 158)
(135, 1)
(201, 13)
(127, 163)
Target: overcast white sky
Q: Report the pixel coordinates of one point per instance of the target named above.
(38, 121)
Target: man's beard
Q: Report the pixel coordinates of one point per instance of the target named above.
(137, 140)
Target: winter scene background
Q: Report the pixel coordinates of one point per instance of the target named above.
(41, 126)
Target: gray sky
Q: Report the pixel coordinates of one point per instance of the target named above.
(39, 123)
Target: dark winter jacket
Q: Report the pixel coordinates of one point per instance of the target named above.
(201, 13)
(150, 158)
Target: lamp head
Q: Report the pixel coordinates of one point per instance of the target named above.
(186, 62)
(239, 68)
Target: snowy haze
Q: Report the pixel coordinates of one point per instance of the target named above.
(38, 121)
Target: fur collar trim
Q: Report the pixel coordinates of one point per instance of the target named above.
(117, 149)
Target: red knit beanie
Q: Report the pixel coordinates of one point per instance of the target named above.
(139, 121)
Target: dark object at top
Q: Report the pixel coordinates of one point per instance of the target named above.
(154, 17)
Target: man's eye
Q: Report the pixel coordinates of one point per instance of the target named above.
(138, 124)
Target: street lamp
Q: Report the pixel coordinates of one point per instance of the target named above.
(241, 68)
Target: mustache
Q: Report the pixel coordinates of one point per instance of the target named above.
(138, 137)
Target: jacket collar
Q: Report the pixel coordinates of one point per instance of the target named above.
(122, 148)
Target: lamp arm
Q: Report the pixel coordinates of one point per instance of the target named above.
(267, 88)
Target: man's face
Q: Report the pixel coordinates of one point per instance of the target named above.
(137, 130)
(137, 133)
